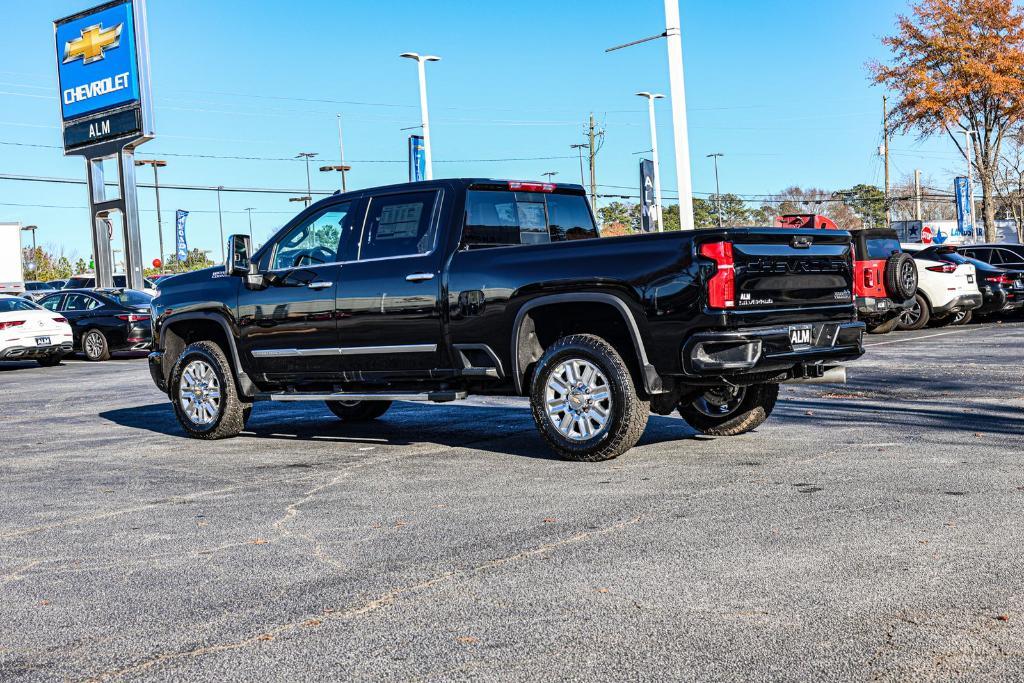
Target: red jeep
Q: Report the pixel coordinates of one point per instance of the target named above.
(885, 278)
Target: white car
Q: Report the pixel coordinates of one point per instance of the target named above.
(30, 332)
(946, 293)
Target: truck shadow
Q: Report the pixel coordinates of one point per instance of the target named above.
(506, 429)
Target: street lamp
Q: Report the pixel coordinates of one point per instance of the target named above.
(32, 229)
(718, 190)
(420, 62)
(249, 210)
(156, 164)
(550, 175)
(654, 153)
(305, 199)
(343, 169)
(307, 156)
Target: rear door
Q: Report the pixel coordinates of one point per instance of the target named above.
(389, 313)
(780, 269)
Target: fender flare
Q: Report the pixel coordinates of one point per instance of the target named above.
(648, 374)
(245, 384)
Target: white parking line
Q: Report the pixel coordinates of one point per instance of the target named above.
(927, 336)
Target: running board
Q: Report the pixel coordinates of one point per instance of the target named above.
(430, 397)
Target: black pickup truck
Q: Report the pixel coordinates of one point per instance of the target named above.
(434, 291)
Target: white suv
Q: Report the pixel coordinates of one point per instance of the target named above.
(946, 293)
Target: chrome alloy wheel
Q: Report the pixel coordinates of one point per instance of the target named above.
(93, 344)
(199, 392)
(578, 399)
(720, 401)
(908, 276)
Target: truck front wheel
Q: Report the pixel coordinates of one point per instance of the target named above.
(584, 402)
(358, 411)
(730, 411)
(202, 390)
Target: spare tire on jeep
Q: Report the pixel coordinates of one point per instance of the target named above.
(901, 277)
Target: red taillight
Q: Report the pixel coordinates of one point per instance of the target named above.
(133, 318)
(869, 277)
(722, 285)
(1000, 280)
(60, 320)
(945, 268)
(521, 186)
(7, 324)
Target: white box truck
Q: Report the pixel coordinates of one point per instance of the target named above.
(12, 277)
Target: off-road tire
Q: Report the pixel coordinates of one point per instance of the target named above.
(361, 411)
(884, 328)
(922, 320)
(50, 361)
(232, 413)
(901, 277)
(628, 411)
(756, 407)
(101, 352)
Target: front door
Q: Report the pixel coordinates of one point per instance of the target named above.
(389, 319)
(289, 327)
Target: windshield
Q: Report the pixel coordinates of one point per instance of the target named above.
(15, 305)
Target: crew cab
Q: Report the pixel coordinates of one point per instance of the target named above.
(885, 279)
(438, 290)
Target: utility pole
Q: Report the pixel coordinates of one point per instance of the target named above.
(593, 168)
(918, 216)
(220, 219)
(885, 144)
(718, 187)
(156, 164)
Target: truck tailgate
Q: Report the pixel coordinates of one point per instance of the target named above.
(775, 268)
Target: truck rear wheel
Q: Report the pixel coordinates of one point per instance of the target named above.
(730, 411)
(584, 402)
(358, 411)
(202, 390)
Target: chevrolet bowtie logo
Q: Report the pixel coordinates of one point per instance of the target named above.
(93, 42)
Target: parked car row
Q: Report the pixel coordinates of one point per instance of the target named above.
(947, 285)
(95, 322)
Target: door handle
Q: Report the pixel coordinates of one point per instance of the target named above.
(419, 277)
(320, 285)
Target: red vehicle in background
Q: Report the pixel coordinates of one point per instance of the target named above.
(885, 278)
(810, 221)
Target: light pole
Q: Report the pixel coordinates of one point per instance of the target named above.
(420, 62)
(550, 175)
(342, 168)
(718, 190)
(156, 164)
(249, 210)
(309, 186)
(305, 199)
(581, 147)
(674, 41)
(654, 152)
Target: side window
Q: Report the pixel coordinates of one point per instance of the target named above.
(313, 241)
(51, 303)
(80, 302)
(1007, 256)
(569, 218)
(398, 225)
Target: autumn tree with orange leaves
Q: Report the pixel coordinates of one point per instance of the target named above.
(958, 65)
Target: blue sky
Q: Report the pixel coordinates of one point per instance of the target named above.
(780, 88)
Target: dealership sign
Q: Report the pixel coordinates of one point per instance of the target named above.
(103, 75)
(417, 159)
(180, 241)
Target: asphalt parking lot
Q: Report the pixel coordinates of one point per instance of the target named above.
(867, 531)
